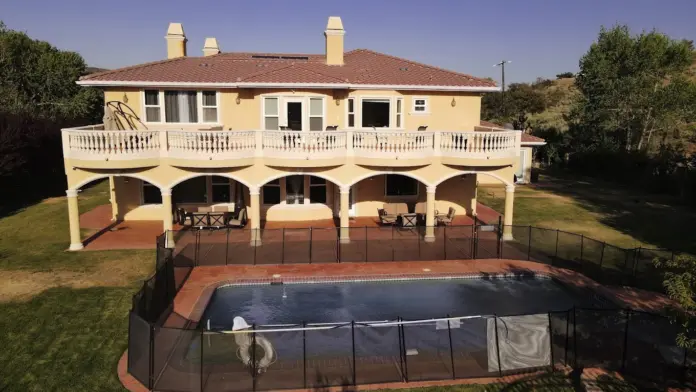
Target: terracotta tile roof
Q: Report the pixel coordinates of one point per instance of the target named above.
(526, 138)
(362, 67)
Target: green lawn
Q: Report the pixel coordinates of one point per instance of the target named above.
(599, 210)
(63, 314)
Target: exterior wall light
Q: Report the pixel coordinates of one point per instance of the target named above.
(454, 102)
(125, 98)
(238, 100)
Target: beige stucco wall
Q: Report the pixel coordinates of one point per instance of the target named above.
(246, 115)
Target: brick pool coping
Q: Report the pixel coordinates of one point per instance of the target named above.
(193, 297)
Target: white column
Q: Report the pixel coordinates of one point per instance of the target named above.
(255, 215)
(113, 198)
(430, 214)
(344, 214)
(167, 216)
(74, 220)
(507, 217)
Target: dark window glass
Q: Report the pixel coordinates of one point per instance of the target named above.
(316, 181)
(151, 97)
(271, 194)
(398, 185)
(294, 190)
(151, 194)
(191, 191)
(317, 194)
(221, 193)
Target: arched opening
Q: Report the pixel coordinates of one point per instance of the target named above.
(299, 200)
(206, 193)
(98, 206)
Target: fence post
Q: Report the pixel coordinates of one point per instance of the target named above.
(338, 243)
(310, 245)
(227, 245)
(497, 347)
(151, 365)
(636, 257)
(529, 243)
(253, 357)
(551, 342)
(684, 368)
(623, 355)
(567, 339)
(582, 245)
(575, 337)
(556, 255)
(202, 378)
(304, 354)
(474, 240)
(500, 237)
(403, 345)
(391, 244)
(282, 246)
(444, 243)
(366, 258)
(449, 334)
(601, 255)
(352, 332)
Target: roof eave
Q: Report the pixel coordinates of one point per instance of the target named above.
(118, 83)
(523, 144)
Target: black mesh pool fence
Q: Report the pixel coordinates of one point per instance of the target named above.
(317, 356)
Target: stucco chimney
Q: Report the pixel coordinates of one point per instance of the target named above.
(176, 41)
(334, 41)
(210, 47)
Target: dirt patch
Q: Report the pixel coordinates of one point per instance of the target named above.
(18, 285)
(54, 200)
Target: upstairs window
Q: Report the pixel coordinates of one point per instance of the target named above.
(316, 114)
(271, 118)
(209, 103)
(420, 105)
(180, 107)
(351, 112)
(152, 106)
(375, 112)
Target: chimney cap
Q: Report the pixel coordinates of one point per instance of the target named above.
(175, 30)
(334, 23)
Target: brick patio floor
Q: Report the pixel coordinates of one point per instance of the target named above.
(141, 234)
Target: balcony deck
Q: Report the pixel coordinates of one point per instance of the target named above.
(95, 147)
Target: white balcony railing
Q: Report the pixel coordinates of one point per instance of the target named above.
(87, 143)
(211, 144)
(304, 145)
(390, 144)
(95, 143)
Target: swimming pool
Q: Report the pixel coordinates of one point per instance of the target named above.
(337, 302)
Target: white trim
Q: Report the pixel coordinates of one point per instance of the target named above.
(310, 115)
(407, 174)
(263, 111)
(522, 160)
(392, 111)
(194, 175)
(426, 106)
(107, 175)
(117, 83)
(145, 106)
(399, 115)
(217, 107)
(283, 102)
(161, 105)
(527, 144)
(299, 172)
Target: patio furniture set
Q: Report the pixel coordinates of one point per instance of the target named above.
(403, 215)
(215, 217)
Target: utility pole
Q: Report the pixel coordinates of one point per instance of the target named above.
(502, 65)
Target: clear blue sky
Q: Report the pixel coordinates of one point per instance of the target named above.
(541, 37)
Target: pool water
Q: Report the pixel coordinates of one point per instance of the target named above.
(295, 303)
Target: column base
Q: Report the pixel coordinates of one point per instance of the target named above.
(345, 240)
(77, 246)
(429, 238)
(507, 237)
(255, 242)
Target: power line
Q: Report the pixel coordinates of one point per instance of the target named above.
(502, 65)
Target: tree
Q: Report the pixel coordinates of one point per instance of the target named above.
(634, 88)
(565, 75)
(521, 99)
(680, 285)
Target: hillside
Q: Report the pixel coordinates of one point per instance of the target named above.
(559, 96)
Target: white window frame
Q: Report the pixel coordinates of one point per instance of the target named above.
(354, 113)
(399, 113)
(282, 110)
(426, 105)
(418, 185)
(277, 115)
(310, 115)
(160, 105)
(523, 166)
(199, 107)
(392, 109)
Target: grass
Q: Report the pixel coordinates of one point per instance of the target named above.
(64, 314)
(599, 210)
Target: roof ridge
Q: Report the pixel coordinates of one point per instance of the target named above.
(424, 65)
(132, 67)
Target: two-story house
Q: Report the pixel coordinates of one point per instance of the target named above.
(295, 137)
